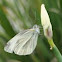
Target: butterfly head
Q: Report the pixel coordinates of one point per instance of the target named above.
(36, 28)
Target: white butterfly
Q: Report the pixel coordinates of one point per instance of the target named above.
(23, 43)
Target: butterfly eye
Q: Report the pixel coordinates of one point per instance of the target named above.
(35, 26)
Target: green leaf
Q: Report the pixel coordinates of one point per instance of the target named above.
(5, 23)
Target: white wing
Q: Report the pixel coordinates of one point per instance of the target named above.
(28, 47)
(22, 36)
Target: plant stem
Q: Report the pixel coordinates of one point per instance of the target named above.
(35, 59)
(55, 50)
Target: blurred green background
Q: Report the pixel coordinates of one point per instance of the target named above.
(17, 15)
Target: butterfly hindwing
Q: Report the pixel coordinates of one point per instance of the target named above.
(22, 36)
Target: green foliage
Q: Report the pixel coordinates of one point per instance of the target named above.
(16, 15)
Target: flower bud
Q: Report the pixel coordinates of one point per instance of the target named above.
(45, 21)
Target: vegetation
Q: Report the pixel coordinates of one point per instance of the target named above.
(17, 15)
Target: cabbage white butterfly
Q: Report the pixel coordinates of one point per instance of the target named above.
(24, 42)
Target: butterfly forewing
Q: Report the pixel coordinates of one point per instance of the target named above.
(28, 47)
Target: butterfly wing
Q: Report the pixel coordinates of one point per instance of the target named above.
(22, 36)
(28, 47)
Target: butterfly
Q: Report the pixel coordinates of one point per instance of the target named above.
(24, 42)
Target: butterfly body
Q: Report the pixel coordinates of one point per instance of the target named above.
(23, 43)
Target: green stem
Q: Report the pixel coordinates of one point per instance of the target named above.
(55, 50)
(57, 54)
(35, 59)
